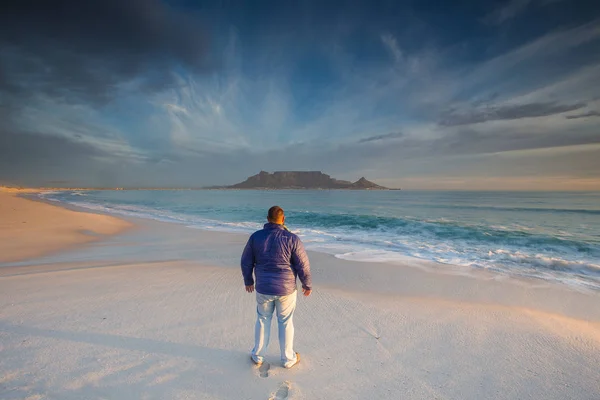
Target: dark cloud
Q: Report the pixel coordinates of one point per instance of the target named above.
(506, 112)
(36, 159)
(469, 141)
(81, 52)
(391, 135)
(584, 115)
(83, 49)
(460, 142)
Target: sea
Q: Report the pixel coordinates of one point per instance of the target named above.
(553, 236)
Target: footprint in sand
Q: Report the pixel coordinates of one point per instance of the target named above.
(282, 392)
(264, 369)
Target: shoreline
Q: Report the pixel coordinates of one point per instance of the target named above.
(403, 261)
(32, 228)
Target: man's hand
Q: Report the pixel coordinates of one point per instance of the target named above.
(306, 292)
(250, 288)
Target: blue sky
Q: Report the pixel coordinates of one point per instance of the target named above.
(421, 94)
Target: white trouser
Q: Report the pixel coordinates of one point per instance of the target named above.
(285, 306)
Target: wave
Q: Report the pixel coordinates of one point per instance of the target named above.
(507, 248)
(574, 273)
(519, 209)
(438, 229)
(138, 211)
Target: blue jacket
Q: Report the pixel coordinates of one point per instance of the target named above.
(276, 256)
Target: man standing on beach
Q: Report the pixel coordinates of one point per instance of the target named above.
(277, 257)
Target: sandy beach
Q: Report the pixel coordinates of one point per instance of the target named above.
(30, 229)
(91, 309)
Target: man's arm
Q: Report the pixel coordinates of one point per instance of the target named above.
(301, 265)
(247, 263)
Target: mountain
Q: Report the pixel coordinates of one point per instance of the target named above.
(363, 183)
(301, 180)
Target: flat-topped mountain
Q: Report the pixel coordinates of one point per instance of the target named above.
(301, 180)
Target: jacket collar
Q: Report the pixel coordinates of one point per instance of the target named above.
(271, 225)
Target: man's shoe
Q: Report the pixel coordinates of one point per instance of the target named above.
(297, 361)
(254, 361)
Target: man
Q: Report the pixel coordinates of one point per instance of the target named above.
(277, 257)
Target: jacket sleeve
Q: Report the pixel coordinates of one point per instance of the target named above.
(248, 263)
(301, 265)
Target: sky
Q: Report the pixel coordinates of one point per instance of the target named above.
(435, 95)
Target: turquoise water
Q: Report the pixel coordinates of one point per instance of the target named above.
(553, 236)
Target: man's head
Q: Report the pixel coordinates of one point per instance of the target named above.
(276, 215)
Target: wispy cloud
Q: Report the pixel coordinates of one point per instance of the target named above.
(387, 136)
(507, 11)
(391, 45)
(512, 9)
(533, 55)
(505, 112)
(584, 115)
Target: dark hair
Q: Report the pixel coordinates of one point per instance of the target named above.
(275, 213)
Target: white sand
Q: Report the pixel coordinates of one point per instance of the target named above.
(160, 312)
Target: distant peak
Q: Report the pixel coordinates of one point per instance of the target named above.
(364, 183)
(301, 180)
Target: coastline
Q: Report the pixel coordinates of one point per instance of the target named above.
(32, 228)
(159, 312)
(410, 278)
(491, 234)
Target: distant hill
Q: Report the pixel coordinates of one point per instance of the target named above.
(301, 180)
